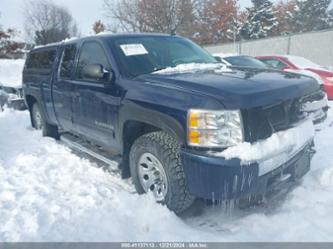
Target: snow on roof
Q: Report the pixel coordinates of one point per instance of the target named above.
(302, 62)
(224, 55)
(57, 43)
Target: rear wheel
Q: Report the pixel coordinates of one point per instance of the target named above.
(156, 167)
(39, 123)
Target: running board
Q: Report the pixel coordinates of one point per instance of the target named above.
(93, 151)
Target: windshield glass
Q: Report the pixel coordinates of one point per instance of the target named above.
(245, 61)
(147, 54)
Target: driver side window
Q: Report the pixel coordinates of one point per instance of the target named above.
(275, 64)
(91, 53)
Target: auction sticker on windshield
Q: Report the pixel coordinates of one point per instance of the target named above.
(133, 49)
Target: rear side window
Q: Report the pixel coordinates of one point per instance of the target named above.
(41, 60)
(275, 64)
(67, 63)
(91, 53)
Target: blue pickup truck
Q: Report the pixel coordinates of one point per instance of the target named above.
(170, 110)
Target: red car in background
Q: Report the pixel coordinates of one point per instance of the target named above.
(296, 63)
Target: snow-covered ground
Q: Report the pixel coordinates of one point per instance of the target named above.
(49, 193)
(11, 72)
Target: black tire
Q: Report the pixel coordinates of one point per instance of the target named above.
(166, 149)
(39, 123)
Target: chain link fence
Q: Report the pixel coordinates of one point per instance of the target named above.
(316, 46)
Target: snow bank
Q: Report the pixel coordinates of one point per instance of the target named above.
(288, 141)
(49, 193)
(11, 72)
(192, 67)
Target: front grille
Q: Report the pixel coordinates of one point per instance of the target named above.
(262, 122)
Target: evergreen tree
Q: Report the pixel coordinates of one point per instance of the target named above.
(330, 23)
(260, 21)
(309, 15)
(283, 10)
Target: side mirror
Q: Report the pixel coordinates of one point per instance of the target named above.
(96, 72)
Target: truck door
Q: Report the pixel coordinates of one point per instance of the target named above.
(96, 101)
(63, 88)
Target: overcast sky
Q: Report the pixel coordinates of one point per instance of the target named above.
(85, 12)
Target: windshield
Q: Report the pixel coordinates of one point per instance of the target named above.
(245, 61)
(147, 54)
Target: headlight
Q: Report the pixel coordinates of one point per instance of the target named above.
(214, 128)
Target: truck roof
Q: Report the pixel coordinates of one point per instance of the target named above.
(102, 35)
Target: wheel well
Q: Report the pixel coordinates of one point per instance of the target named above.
(131, 131)
(30, 101)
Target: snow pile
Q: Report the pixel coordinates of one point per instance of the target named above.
(288, 141)
(49, 193)
(11, 72)
(193, 67)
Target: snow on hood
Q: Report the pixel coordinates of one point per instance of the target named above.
(193, 67)
(11, 72)
(283, 142)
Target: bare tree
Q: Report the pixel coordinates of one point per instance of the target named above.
(98, 27)
(47, 22)
(166, 16)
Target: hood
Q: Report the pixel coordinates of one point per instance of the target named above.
(306, 72)
(237, 89)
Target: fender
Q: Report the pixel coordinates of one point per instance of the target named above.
(37, 96)
(149, 114)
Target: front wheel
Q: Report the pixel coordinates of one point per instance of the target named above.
(156, 167)
(39, 123)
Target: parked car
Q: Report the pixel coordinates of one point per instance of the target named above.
(296, 63)
(12, 97)
(184, 125)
